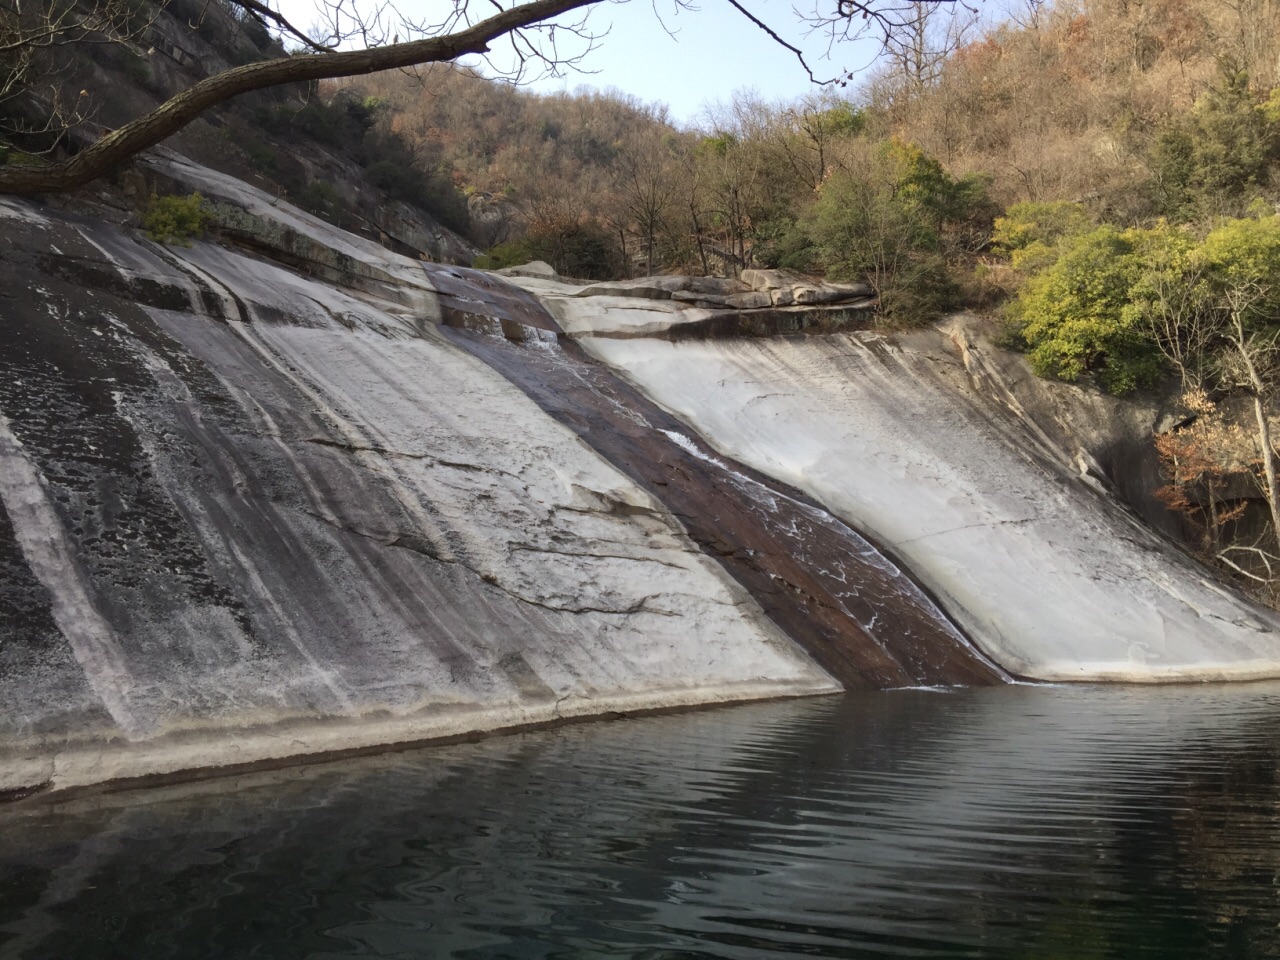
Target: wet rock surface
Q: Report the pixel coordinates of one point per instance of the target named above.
(1048, 574)
(476, 300)
(855, 611)
(305, 496)
(248, 516)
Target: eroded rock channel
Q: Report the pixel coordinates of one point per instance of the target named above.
(852, 608)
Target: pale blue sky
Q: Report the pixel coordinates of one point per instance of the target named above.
(715, 52)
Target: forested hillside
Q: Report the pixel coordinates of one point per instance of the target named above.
(334, 156)
(1136, 110)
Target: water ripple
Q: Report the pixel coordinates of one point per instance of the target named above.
(1005, 823)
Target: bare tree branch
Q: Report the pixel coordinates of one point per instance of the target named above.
(263, 13)
(178, 111)
(377, 26)
(776, 39)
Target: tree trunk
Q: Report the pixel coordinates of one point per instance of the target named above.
(622, 245)
(1268, 462)
(1259, 391)
(175, 113)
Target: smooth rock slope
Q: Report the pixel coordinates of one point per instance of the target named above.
(298, 494)
(855, 610)
(246, 515)
(1051, 579)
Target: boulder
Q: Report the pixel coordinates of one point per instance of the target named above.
(771, 279)
(753, 300)
(716, 286)
(645, 288)
(786, 287)
(709, 300)
(538, 269)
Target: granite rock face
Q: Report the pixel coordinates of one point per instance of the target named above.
(247, 515)
(674, 308)
(858, 612)
(1047, 573)
(787, 288)
(757, 289)
(299, 494)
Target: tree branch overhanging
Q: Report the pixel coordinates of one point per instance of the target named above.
(455, 36)
(776, 39)
(264, 13)
(172, 115)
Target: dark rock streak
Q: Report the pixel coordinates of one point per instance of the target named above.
(857, 613)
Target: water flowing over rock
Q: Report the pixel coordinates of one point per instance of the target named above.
(247, 515)
(1048, 576)
(861, 617)
(295, 494)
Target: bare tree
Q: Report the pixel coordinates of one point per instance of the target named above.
(647, 186)
(532, 27)
(808, 131)
(1251, 31)
(732, 183)
(1187, 325)
(1028, 14)
(175, 113)
(1199, 458)
(1251, 361)
(1177, 312)
(46, 37)
(917, 36)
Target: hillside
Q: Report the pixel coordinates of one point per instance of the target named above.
(1139, 110)
(334, 157)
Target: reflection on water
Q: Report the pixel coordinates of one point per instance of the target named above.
(1006, 823)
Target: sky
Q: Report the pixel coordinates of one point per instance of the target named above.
(715, 51)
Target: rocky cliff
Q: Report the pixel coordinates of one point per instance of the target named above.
(290, 493)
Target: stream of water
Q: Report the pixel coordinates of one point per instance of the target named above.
(1019, 822)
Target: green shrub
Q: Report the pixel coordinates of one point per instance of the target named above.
(397, 180)
(137, 69)
(1217, 158)
(1118, 303)
(1245, 253)
(1030, 233)
(581, 250)
(174, 219)
(782, 242)
(20, 158)
(342, 123)
(261, 155)
(1077, 315)
(321, 198)
(890, 219)
(513, 253)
